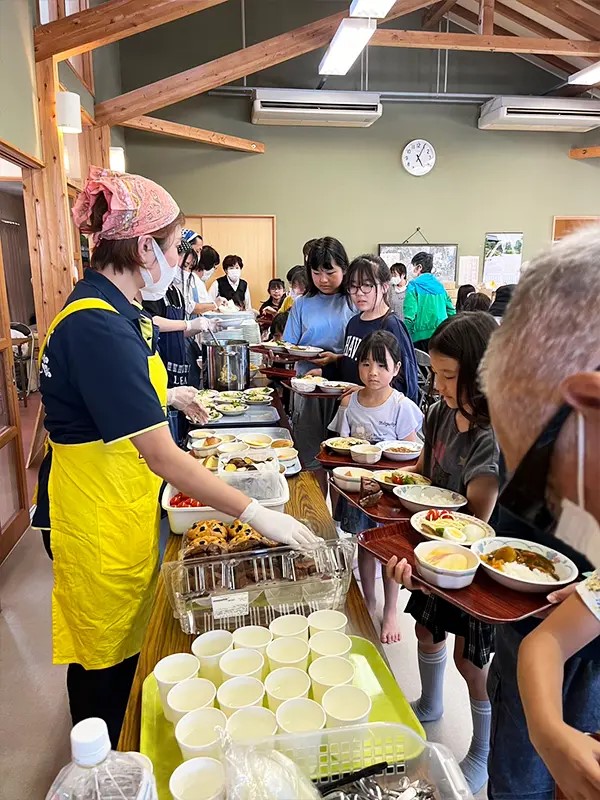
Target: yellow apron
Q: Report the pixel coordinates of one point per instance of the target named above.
(104, 519)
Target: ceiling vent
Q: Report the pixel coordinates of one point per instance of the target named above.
(570, 115)
(315, 107)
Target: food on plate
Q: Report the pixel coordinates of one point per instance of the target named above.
(399, 477)
(442, 558)
(344, 442)
(370, 493)
(212, 441)
(432, 495)
(522, 564)
(303, 348)
(181, 500)
(211, 462)
(213, 414)
(281, 443)
(212, 537)
(232, 408)
(416, 448)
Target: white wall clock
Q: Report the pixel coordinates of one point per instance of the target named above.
(418, 157)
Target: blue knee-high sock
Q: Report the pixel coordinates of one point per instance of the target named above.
(474, 765)
(430, 706)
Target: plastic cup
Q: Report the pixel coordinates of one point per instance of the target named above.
(241, 662)
(253, 637)
(346, 705)
(188, 696)
(208, 648)
(198, 779)
(286, 683)
(329, 643)
(248, 725)
(288, 652)
(327, 620)
(329, 671)
(173, 669)
(290, 625)
(238, 693)
(197, 735)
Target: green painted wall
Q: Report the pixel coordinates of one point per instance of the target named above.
(350, 183)
(18, 102)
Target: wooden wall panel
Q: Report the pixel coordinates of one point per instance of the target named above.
(13, 240)
(94, 148)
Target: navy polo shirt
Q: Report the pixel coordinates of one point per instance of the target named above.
(94, 377)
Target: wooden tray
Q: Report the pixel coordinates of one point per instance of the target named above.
(329, 460)
(484, 599)
(278, 373)
(388, 509)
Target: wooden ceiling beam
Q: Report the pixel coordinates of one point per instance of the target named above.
(434, 14)
(529, 24)
(485, 26)
(231, 67)
(574, 16)
(463, 15)
(109, 22)
(431, 40)
(584, 152)
(168, 128)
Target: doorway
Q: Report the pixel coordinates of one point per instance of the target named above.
(250, 237)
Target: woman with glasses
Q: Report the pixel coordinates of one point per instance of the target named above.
(368, 281)
(318, 318)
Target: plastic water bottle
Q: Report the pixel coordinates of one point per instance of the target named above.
(98, 773)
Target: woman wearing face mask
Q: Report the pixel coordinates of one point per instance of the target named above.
(368, 282)
(231, 287)
(104, 389)
(190, 281)
(397, 292)
(318, 318)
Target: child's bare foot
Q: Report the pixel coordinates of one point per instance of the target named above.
(389, 628)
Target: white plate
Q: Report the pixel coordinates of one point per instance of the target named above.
(487, 531)
(266, 401)
(276, 348)
(421, 498)
(229, 397)
(565, 568)
(335, 387)
(231, 412)
(331, 443)
(262, 390)
(380, 475)
(299, 350)
(418, 446)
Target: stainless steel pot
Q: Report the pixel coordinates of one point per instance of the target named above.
(227, 365)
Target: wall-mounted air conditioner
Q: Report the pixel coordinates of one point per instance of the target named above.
(315, 107)
(571, 115)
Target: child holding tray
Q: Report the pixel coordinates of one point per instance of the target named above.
(461, 454)
(376, 412)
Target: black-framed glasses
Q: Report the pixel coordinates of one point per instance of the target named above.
(364, 288)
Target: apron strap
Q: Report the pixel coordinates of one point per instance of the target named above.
(72, 308)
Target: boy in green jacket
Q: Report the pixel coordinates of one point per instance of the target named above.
(426, 303)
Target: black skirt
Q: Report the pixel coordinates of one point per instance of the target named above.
(440, 618)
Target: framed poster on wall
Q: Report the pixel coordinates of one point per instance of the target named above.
(444, 257)
(502, 256)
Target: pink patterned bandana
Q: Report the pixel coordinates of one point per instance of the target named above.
(136, 205)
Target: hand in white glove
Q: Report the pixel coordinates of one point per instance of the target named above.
(280, 527)
(183, 398)
(197, 325)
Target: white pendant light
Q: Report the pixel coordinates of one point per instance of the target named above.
(117, 159)
(371, 8)
(68, 112)
(589, 76)
(347, 44)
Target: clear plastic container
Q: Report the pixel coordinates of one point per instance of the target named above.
(261, 484)
(98, 773)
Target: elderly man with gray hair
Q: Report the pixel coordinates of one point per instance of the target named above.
(540, 374)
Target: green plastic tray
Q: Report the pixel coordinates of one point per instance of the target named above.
(157, 736)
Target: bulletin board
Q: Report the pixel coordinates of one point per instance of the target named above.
(444, 257)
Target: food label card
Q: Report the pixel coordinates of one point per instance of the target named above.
(231, 605)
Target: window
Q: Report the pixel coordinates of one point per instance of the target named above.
(50, 10)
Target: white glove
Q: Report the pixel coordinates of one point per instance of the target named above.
(197, 325)
(279, 527)
(183, 398)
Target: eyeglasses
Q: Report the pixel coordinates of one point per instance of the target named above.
(365, 288)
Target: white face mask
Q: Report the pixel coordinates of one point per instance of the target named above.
(234, 274)
(207, 274)
(576, 526)
(395, 280)
(152, 290)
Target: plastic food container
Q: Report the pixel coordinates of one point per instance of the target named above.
(181, 519)
(263, 483)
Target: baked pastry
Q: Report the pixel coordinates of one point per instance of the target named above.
(242, 536)
(206, 538)
(370, 493)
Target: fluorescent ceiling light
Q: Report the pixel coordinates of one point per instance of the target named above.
(347, 44)
(371, 8)
(589, 76)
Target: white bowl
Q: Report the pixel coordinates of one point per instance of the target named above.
(446, 578)
(565, 568)
(422, 498)
(342, 444)
(201, 449)
(486, 531)
(335, 387)
(414, 447)
(232, 447)
(303, 350)
(286, 453)
(256, 440)
(228, 410)
(261, 389)
(349, 483)
(365, 453)
(303, 386)
(201, 433)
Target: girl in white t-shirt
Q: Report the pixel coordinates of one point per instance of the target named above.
(376, 412)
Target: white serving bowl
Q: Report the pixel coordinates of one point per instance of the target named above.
(202, 450)
(365, 453)
(349, 483)
(201, 433)
(422, 498)
(565, 568)
(232, 447)
(256, 440)
(446, 578)
(303, 386)
(286, 453)
(414, 447)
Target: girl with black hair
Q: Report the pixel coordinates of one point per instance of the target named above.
(461, 454)
(377, 412)
(318, 318)
(272, 305)
(190, 282)
(461, 295)
(368, 283)
(477, 301)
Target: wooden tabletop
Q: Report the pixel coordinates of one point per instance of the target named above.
(164, 634)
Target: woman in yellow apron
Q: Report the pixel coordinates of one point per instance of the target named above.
(104, 389)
